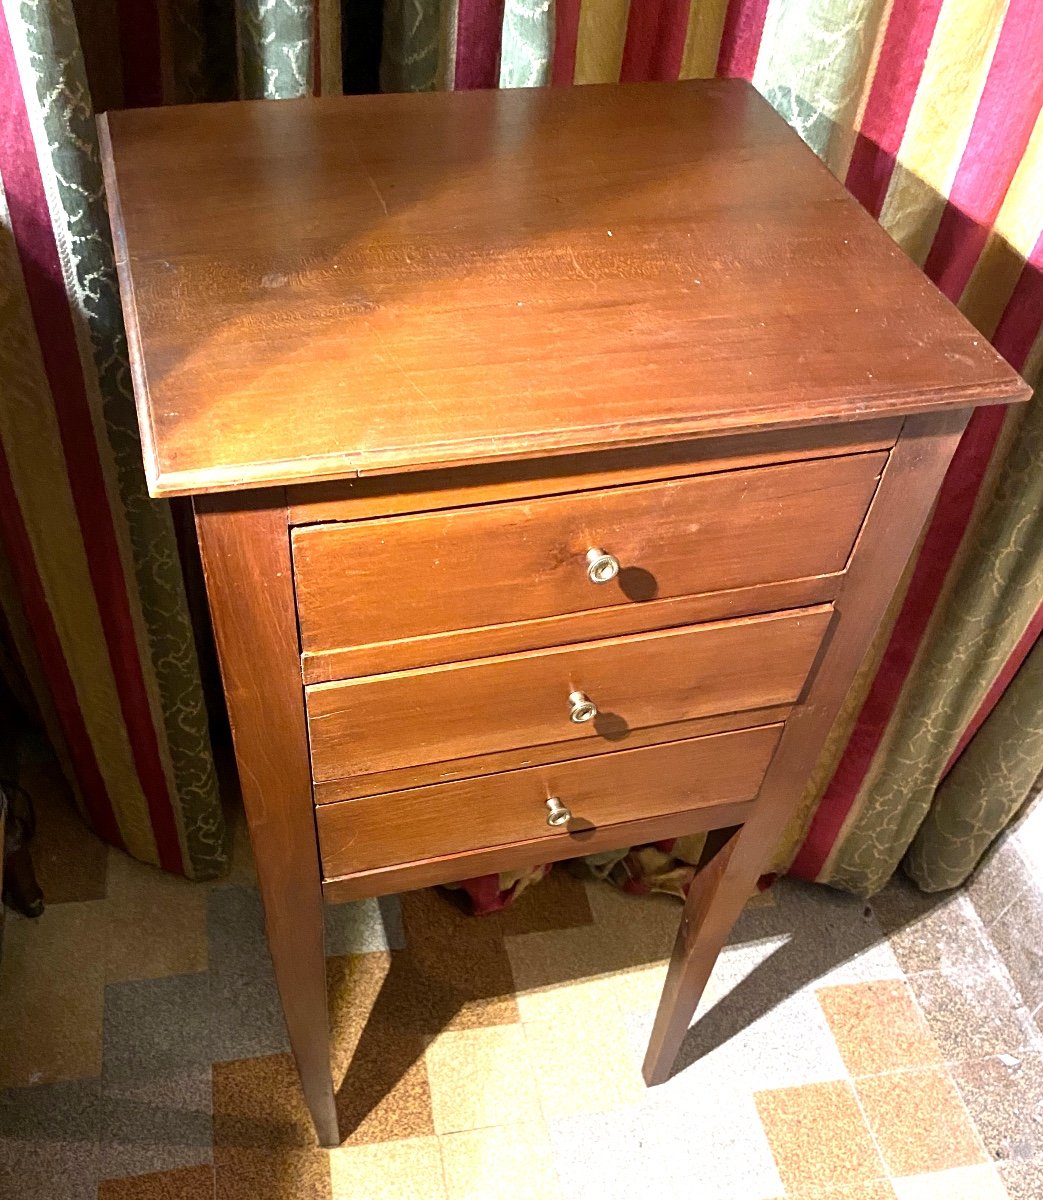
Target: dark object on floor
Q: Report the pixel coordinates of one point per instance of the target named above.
(18, 820)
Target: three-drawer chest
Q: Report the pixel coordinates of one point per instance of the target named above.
(555, 455)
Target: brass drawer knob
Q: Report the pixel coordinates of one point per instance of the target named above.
(557, 814)
(581, 708)
(601, 567)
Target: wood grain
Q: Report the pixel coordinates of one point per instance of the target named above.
(393, 495)
(494, 564)
(451, 818)
(442, 713)
(351, 285)
(246, 553)
(430, 872)
(350, 662)
(903, 501)
(351, 787)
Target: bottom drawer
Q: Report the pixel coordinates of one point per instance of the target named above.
(474, 814)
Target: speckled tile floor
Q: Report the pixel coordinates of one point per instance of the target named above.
(846, 1051)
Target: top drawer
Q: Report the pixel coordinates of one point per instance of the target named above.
(380, 582)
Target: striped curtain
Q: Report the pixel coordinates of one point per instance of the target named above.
(90, 584)
(929, 110)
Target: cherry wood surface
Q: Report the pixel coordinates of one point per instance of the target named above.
(246, 553)
(351, 285)
(499, 563)
(349, 662)
(351, 787)
(442, 713)
(450, 868)
(450, 818)
(492, 482)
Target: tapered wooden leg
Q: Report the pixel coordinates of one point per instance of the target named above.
(245, 547)
(907, 489)
(715, 899)
(297, 945)
(699, 941)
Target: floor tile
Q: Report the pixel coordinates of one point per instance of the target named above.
(998, 881)
(430, 1038)
(713, 1150)
(961, 1183)
(811, 937)
(481, 1077)
(1005, 1099)
(52, 984)
(929, 932)
(559, 901)
(1016, 936)
(751, 1041)
(1023, 1179)
(252, 1174)
(364, 926)
(156, 922)
(582, 1067)
(557, 973)
(258, 1105)
(919, 1121)
(878, 1026)
(462, 962)
(410, 1169)
(376, 1002)
(245, 1015)
(900, 903)
(637, 990)
(637, 930)
(834, 938)
(578, 1001)
(871, 1189)
(507, 1162)
(756, 969)
(796, 1121)
(973, 1012)
(1027, 835)
(69, 859)
(156, 1092)
(354, 984)
(49, 1141)
(187, 1183)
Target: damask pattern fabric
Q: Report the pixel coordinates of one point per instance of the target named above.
(94, 593)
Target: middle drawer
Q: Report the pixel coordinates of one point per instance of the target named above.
(596, 690)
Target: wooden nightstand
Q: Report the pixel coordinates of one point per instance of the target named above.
(555, 455)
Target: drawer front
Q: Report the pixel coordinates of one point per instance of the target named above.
(415, 577)
(439, 714)
(453, 818)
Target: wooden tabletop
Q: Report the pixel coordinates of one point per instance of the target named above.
(325, 288)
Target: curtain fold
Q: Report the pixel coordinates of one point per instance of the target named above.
(92, 563)
(928, 110)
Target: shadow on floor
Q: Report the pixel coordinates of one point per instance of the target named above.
(457, 970)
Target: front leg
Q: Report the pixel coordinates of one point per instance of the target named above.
(245, 546)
